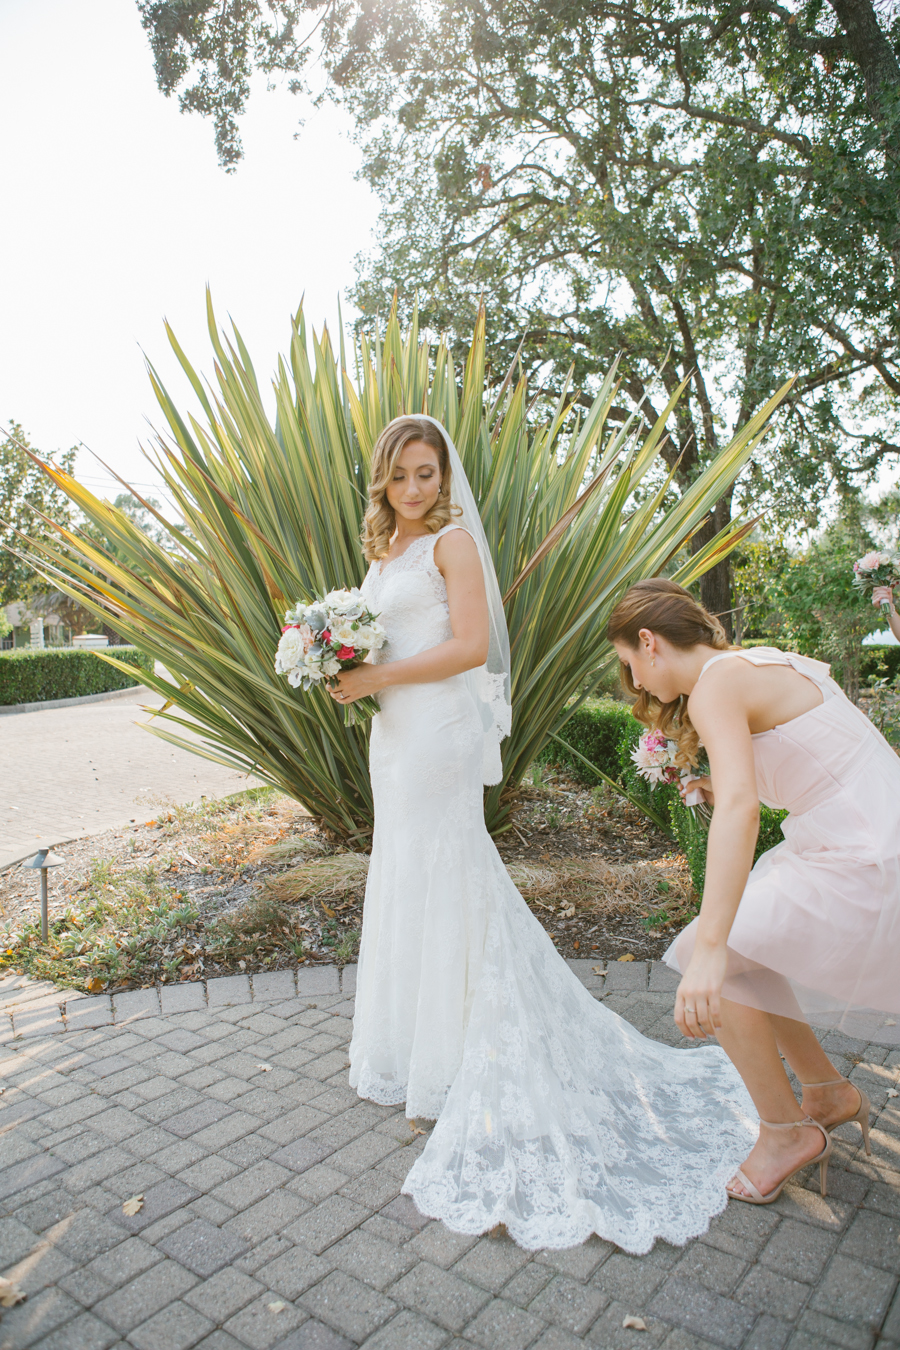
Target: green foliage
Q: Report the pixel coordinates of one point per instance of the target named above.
(806, 602)
(719, 179)
(25, 491)
(880, 663)
(35, 676)
(274, 515)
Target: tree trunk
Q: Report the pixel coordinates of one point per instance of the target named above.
(870, 48)
(715, 585)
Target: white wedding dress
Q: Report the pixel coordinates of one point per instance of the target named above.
(554, 1116)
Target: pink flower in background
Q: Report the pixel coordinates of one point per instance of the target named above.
(871, 560)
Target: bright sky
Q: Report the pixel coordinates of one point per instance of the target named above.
(115, 215)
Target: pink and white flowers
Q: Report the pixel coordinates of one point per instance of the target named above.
(654, 758)
(321, 639)
(878, 568)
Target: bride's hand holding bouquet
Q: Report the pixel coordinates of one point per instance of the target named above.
(326, 642)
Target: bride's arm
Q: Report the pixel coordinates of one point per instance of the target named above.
(457, 559)
(721, 719)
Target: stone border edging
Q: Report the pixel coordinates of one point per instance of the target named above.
(48, 704)
(38, 1008)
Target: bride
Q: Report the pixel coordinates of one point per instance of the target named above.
(554, 1116)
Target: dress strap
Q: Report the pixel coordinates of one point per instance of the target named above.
(819, 672)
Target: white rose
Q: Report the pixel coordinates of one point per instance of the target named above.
(290, 651)
(331, 667)
(343, 632)
(339, 600)
(294, 678)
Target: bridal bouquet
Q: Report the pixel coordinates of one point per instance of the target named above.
(876, 569)
(654, 760)
(320, 640)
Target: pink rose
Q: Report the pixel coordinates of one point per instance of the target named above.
(345, 653)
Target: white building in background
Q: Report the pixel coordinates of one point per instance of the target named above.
(33, 630)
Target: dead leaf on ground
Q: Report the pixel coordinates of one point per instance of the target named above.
(635, 1323)
(10, 1293)
(627, 957)
(265, 1068)
(133, 1206)
(892, 1092)
(94, 985)
(278, 1306)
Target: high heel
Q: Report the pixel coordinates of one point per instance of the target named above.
(861, 1116)
(756, 1196)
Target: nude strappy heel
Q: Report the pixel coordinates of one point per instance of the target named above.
(756, 1196)
(861, 1118)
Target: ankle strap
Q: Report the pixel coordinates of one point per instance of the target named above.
(832, 1082)
(794, 1124)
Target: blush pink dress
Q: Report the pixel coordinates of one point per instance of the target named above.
(817, 932)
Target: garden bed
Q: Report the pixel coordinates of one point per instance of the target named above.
(249, 884)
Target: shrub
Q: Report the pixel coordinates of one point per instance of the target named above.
(35, 676)
(273, 511)
(882, 662)
(605, 732)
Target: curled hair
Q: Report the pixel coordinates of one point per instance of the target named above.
(671, 612)
(380, 522)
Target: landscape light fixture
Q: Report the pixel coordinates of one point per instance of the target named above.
(43, 860)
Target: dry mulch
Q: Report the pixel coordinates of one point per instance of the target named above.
(250, 884)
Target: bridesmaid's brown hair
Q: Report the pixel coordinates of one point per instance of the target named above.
(667, 609)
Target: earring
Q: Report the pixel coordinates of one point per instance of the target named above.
(653, 662)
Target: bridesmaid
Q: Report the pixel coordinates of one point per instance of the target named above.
(812, 931)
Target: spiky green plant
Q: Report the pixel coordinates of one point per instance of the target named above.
(274, 516)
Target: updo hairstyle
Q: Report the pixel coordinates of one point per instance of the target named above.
(380, 522)
(671, 612)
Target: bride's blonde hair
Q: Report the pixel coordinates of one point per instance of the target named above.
(668, 610)
(380, 520)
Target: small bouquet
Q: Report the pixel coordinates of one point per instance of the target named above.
(654, 759)
(876, 569)
(320, 640)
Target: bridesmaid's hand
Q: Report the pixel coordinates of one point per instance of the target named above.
(883, 593)
(697, 1004)
(357, 683)
(703, 785)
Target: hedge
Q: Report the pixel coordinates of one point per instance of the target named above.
(37, 675)
(605, 732)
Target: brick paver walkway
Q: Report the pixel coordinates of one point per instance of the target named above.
(272, 1212)
(92, 767)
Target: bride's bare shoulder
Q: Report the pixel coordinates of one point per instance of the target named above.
(455, 548)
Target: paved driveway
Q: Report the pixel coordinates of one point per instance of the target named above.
(72, 771)
(272, 1217)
